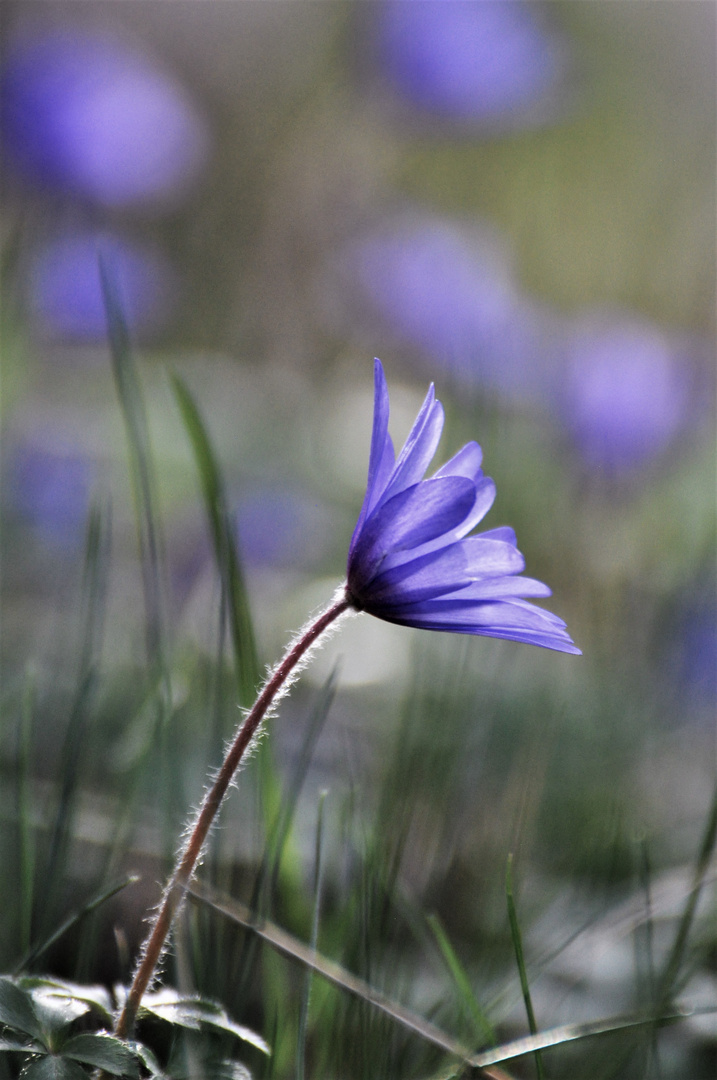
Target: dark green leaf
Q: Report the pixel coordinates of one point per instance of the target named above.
(12, 1045)
(104, 1051)
(17, 1010)
(54, 1068)
(193, 1013)
(148, 1059)
(95, 998)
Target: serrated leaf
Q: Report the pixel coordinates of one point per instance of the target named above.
(56, 1009)
(193, 1013)
(93, 997)
(148, 1059)
(15, 1045)
(18, 1011)
(231, 1070)
(104, 1051)
(51, 1067)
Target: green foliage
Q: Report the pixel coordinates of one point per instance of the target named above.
(40, 1016)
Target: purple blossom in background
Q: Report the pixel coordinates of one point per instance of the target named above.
(447, 290)
(482, 62)
(65, 294)
(411, 559)
(87, 113)
(626, 394)
(695, 650)
(282, 528)
(50, 489)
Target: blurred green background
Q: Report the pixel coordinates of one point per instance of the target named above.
(281, 191)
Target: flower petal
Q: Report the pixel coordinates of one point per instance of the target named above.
(444, 571)
(516, 621)
(500, 588)
(382, 457)
(467, 462)
(503, 532)
(484, 496)
(419, 448)
(409, 519)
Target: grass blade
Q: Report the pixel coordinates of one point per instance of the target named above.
(72, 920)
(318, 881)
(26, 840)
(75, 744)
(520, 959)
(556, 1036)
(704, 856)
(141, 466)
(294, 949)
(483, 1027)
(248, 671)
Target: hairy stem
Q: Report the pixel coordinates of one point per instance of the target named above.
(154, 945)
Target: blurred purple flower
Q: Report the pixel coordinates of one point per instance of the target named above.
(50, 489)
(447, 290)
(87, 113)
(282, 528)
(626, 393)
(65, 294)
(695, 650)
(411, 559)
(484, 62)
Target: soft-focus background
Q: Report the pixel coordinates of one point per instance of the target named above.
(515, 201)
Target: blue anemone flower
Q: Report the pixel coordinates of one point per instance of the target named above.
(411, 558)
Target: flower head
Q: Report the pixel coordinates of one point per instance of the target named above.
(627, 391)
(89, 114)
(412, 560)
(479, 63)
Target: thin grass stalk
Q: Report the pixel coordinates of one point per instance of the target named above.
(318, 882)
(520, 960)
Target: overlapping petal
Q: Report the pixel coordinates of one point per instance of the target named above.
(412, 560)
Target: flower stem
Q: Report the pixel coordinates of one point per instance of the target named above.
(187, 861)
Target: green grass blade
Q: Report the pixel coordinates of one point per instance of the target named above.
(141, 465)
(674, 960)
(520, 959)
(248, 670)
(482, 1025)
(280, 832)
(318, 882)
(565, 1033)
(334, 973)
(76, 742)
(26, 838)
(72, 920)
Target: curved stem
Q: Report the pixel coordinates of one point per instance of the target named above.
(174, 893)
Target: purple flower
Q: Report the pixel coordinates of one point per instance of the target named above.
(84, 112)
(51, 489)
(477, 62)
(65, 293)
(412, 560)
(282, 528)
(447, 288)
(626, 395)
